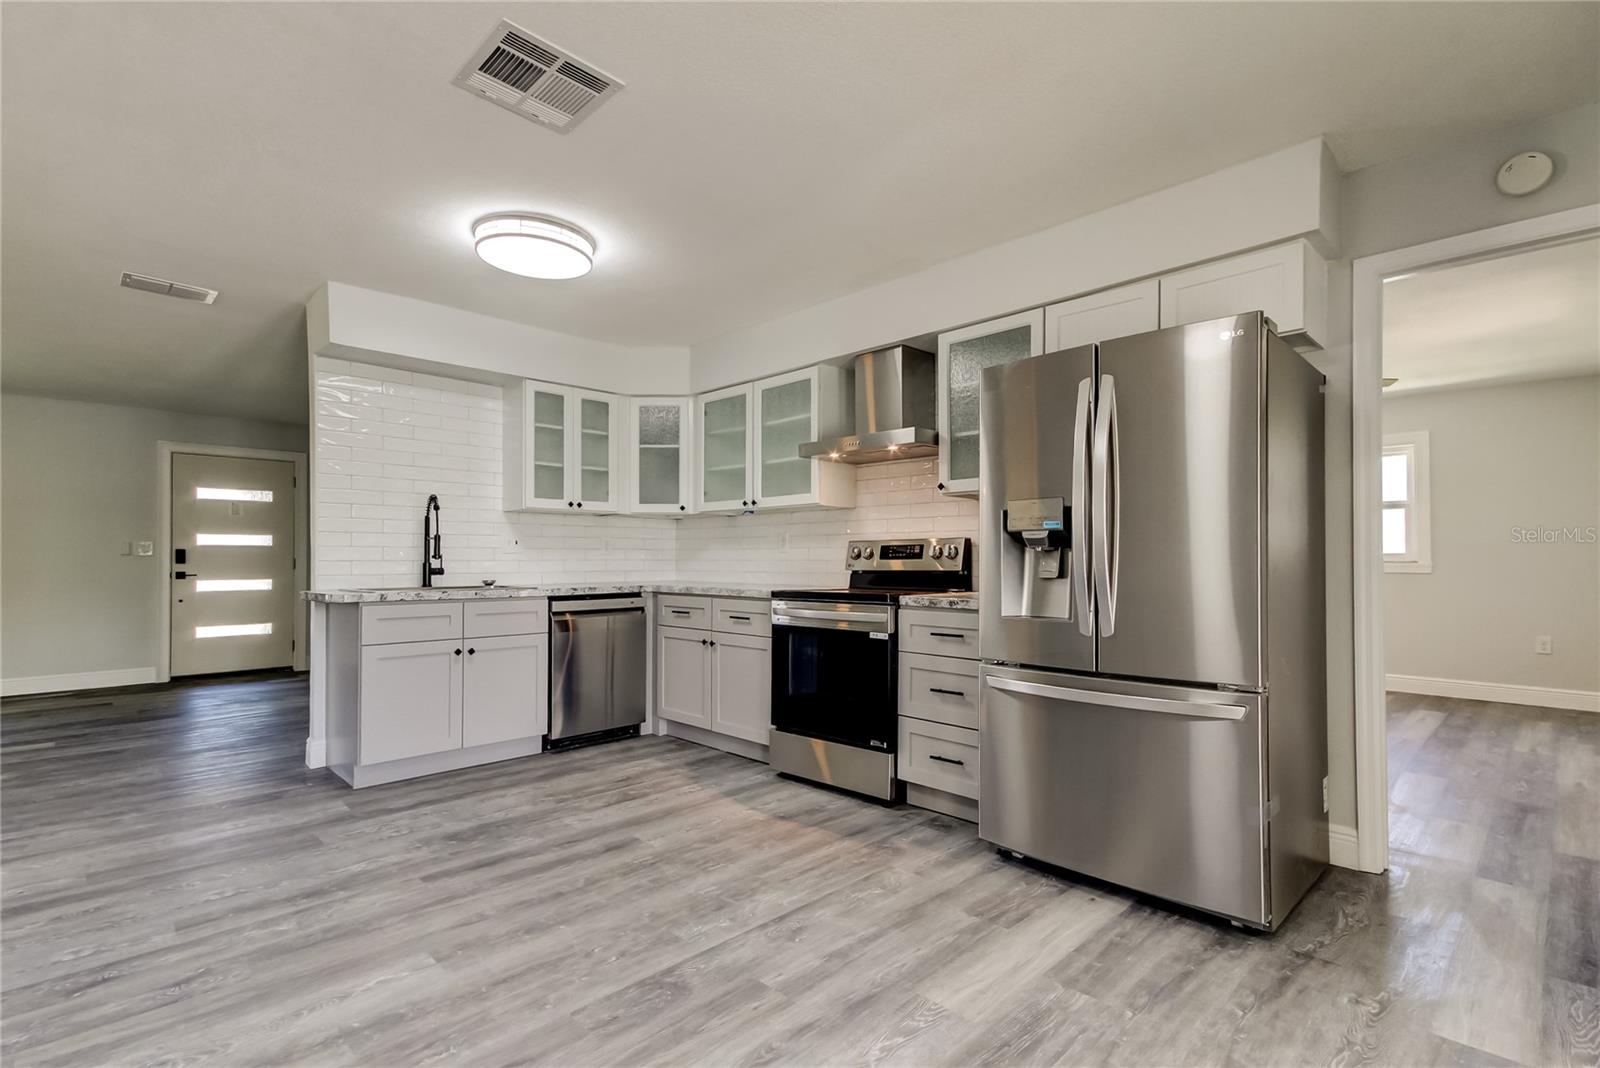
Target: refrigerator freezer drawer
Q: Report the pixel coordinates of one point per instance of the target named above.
(1156, 788)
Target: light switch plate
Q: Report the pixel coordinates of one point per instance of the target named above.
(1541, 645)
(147, 548)
(127, 548)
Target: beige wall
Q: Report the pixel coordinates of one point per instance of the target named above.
(77, 481)
(1394, 205)
(1502, 459)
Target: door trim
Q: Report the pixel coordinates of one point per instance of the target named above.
(302, 549)
(1366, 445)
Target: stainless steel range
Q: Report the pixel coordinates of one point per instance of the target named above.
(834, 714)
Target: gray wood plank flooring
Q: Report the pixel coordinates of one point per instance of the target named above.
(176, 888)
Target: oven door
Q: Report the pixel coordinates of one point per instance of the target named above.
(833, 672)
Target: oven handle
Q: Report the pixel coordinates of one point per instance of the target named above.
(788, 615)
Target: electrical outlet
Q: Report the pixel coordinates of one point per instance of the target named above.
(1324, 793)
(1541, 644)
(146, 548)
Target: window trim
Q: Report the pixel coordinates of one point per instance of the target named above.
(1419, 505)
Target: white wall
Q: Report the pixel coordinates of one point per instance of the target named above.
(385, 439)
(1503, 458)
(77, 481)
(799, 549)
(1260, 202)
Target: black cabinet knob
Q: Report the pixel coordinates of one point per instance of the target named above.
(941, 485)
(713, 645)
(458, 652)
(472, 652)
(682, 507)
(703, 642)
(569, 504)
(580, 504)
(745, 503)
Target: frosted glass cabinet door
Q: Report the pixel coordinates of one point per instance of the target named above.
(785, 419)
(660, 426)
(545, 418)
(963, 355)
(595, 451)
(725, 449)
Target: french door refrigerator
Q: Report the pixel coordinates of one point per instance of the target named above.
(1151, 621)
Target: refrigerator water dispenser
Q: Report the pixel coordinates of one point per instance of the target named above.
(1036, 555)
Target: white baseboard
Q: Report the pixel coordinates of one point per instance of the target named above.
(83, 680)
(316, 752)
(1342, 846)
(1540, 696)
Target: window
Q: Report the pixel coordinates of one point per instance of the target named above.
(227, 585)
(233, 539)
(1407, 545)
(216, 493)
(233, 630)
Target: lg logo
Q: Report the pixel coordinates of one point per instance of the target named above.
(1228, 335)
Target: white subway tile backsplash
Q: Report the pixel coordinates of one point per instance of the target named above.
(385, 439)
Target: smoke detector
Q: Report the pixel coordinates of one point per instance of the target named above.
(168, 288)
(534, 78)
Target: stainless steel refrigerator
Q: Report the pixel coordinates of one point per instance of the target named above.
(1153, 703)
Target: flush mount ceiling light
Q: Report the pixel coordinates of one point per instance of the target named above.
(534, 246)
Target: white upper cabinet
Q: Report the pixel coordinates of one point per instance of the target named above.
(561, 448)
(963, 354)
(788, 411)
(750, 438)
(1113, 313)
(1287, 282)
(661, 450)
(725, 450)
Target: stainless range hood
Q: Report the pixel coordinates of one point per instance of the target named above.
(894, 410)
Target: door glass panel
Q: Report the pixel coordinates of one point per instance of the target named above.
(967, 360)
(217, 493)
(785, 426)
(594, 452)
(834, 684)
(726, 420)
(232, 630)
(549, 446)
(660, 441)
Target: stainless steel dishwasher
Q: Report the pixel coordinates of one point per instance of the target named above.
(597, 668)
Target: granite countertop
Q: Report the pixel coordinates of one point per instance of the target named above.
(508, 592)
(965, 601)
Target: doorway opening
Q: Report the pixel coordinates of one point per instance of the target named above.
(1477, 498)
(233, 543)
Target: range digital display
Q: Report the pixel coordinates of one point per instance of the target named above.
(901, 552)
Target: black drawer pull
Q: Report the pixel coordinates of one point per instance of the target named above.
(679, 611)
(741, 619)
(952, 693)
(946, 760)
(947, 634)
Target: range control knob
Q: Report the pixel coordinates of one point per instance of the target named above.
(855, 552)
(952, 551)
(867, 552)
(937, 552)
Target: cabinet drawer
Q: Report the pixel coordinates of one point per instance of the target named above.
(940, 631)
(943, 689)
(676, 611)
(742, 616)
(939, 756)
(414, 621)
(489, 619)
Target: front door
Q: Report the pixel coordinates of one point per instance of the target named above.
(232, 566)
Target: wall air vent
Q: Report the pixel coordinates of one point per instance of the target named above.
(168, 288)
(535, 79)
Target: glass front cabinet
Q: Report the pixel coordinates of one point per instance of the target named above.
(963, 354)
(750, 438)
(561, 449)
(661, 448)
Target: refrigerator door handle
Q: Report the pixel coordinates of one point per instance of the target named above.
(1082, 595)
(1107, 502)
(1118, 700)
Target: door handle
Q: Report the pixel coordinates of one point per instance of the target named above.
(184, 574)
(1082, 559)
(1107, 500)
(1195, 709)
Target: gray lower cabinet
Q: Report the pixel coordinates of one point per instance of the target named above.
(939, 740)
(683, 675)
(410, 700)
(718, 680)
(504, 693)
(741, 686)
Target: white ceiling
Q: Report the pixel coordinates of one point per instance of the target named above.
(763, 157)
(1533, 314)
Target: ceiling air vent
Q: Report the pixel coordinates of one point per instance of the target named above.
(168, 288)
(534, 78)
